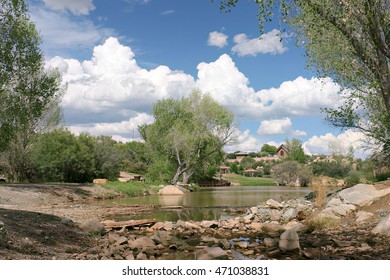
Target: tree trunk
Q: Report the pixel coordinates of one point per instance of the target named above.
(187, 176)
(179, 171)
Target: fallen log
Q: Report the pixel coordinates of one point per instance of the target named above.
(109, 224)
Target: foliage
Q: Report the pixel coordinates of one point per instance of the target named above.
(135, 158)
(268, 149)
(353, 178)
(29, 94)
(331, 169)
(189, 133)
(295, 151)
(347, 40)
(247, 162)
(230, 156)
(234, 167)
(62, 156)
(290, 172)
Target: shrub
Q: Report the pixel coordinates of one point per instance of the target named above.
(290, 172)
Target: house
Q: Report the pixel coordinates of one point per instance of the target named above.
(240, 156)
(282, 151)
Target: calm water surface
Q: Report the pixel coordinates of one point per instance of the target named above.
(209, 203)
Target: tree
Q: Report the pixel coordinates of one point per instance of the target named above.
(268, 149)
(247, 162)
(29, 95)
(347, 40)
(190, 132)
(292, 173)
(295, 151)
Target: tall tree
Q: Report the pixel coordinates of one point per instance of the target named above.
(29, 95)
(295, 151)
(190, 132)
(347, 40)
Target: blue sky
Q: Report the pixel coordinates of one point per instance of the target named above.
(118, 57)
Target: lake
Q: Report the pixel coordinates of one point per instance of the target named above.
(208, 203)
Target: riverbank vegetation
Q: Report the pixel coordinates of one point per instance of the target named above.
(240, 180)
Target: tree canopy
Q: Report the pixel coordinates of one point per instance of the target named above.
(347, 40)
(188, 134)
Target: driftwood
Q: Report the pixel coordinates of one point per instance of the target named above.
(109, 224)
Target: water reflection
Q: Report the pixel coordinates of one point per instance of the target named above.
(209, 203)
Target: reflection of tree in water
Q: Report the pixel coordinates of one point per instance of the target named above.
(199, 214)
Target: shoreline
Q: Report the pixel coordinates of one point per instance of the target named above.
(57, 216)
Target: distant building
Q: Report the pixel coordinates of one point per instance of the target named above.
(240, 156)
(282, 151)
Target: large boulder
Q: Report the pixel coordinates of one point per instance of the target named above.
(93, 226)
(383, 227)
(100, 181)
(289, 241)
(170, 190)
(274, 204)
(362, 194)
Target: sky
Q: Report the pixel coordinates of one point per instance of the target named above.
(118, 57)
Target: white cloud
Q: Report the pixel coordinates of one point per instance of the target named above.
(278, 127)
(167, 12)
(267, 43)
(321, 144)
(217, 39)
(77, 7)
(245, 142)
(111, 85)
(300, 97)
(59, 31)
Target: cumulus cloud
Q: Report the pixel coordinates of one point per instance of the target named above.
(244, 142)
(327, 143)
(76, 7)
(300, 97)
(267, 43)
(217, 39)
(111, 86)
(109, 89)
(278, 127)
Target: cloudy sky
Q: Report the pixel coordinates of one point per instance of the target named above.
(119, 57)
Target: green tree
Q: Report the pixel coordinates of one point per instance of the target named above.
(295, 151)
(247, 162)
(347, 40)
(292, 173)
(268, 149)
(190, 132)
(29, 94)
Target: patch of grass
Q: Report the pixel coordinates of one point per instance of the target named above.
(249, 181)
(132, 188)
(317, 223)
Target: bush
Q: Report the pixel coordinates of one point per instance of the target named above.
(353, 178)
(331, 169)
(290, 172)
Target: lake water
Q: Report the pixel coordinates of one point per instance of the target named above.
(208, 203)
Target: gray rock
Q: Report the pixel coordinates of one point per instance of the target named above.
(254, 210)
(93, 226)
(209, 224)
(290, 214)
(273, 229)
(211, 253)
(295, 226)
(362, 194)
(270, 242)
(168, 226)
(142, 243)
(362, 216)
(274, 204)
(275, 215)
(383, 227)
(335, 201)
(224, 244)
(289, 241)
(121, 240)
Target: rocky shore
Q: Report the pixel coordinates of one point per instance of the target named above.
(353, 223)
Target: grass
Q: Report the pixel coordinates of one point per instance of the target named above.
(316, 223)
(249, 181)
(132, 188)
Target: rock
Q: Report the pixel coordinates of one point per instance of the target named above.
(335, 201)
(170, 190)
(121, 240)
(160, 237)
(168, 226)
(124, 180)
(254, 210)
(290, 214)
(383, 227)
(274, 204)
(248, 253)
(230, 224)
(65, 221)
(275, 215)
(301, 215)
(141, 256)
(328, 213)
(158, 226)
(100, 181)
(208, 239)
(271, 242)
(241, 244)
(362, 216)
(256, 226)
(129, 256)
(211, 253)
(209, 224)
(224, 244)
(362, 194)
(273, 229)
(275, 253)
(289, 241)
(142, 243)
(93, 226)
(295, 226)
